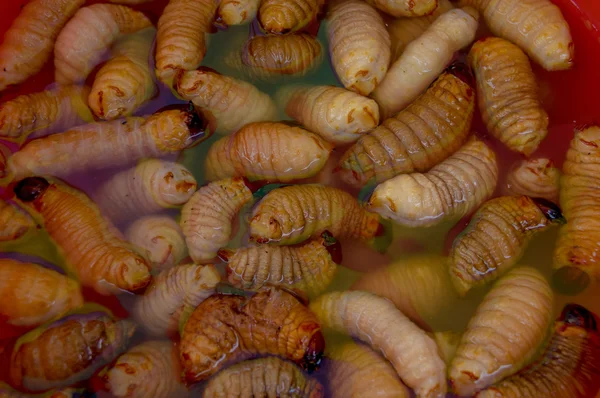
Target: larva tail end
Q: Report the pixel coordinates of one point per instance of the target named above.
(333, 246)
(576, 315)
(314, 353)
(462, 71)
(570, 280)
(30, 188)
(550, 210)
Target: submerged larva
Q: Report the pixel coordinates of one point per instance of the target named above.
(14, 223)
(405, 8)
(417, 138)
(286, 16)
(497, 237)
(236, 12)
(359, 45)
(449, 191)
(538, 178)
(505, 333)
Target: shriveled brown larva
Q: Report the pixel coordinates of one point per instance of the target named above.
(538, 178)
(236, 12)
(293, 214)
(45, 112)
(232, 102)
(419, 137)
(359, 45)
(263, 377)
(355, 370)
(29, 41)
(32, 295)
(101, 259)
(496, 238)
(174, 293)
(150, 369)
(151, 186)
(85, 39)
(505, 333)
(405, 8)
(449, 191)
(14, 223)
(286, 16)
(271, 151)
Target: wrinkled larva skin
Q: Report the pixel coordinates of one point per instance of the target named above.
(424, 59)
(13, 222)
(377, 322)
(567, 369)
(505, 333)
(68, 351)
(173, 294)
(537, 26)
(537, 178)
(267, 151)
(32, 295)
(507, 94)
(263, 377)
(293, 214)
(451, 190)
(435, 126)
(286, 16)
(232, 102)
(235, 12)
(495, 240)
(150, 369)
(405, 8)
(45, 112)
(206, 219)
(359, 45)
(29, 41)
(355, 370)
(100, 258)
(85, 39)
(225, 329)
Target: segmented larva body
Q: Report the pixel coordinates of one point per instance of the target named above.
(339, 116)
(99, 257)
(29, 41)
(150, 369)
(293, 214)
(424, 59)
(151, 186)
(232, 102)
(45, 112)
(359, 45)
(85, 39)
(435, 126)
(32, 294)
(505, 333)
(377, 322)
(449, 191)
(228, 328)
(174, 293)
(267, 151)
(235, 12)
(68, 351)
(206, 219)
(405, 8)
(263, 377)
(497, 237)
(286, 16)
(537, 26)
(13, 222)
(355, 370)
(538, 178)
(160, 238)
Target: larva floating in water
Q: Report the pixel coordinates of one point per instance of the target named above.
(538, 178)
(14, 223)
(405, 8)
(100, 258)
(359, 56)
(449, 191)
(286, 16)
(505, 333)
(235, 12)
(496, 238)
(429, 130)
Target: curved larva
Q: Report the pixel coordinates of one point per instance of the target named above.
(359, 45)
(505, 333)
(376, 321)
(286, 16)
(267, 151)
(85, 39)
(497, 237)
(45, 112)
(150, 369)
(14, 223)
(263, 377)
(449, 191)
(172, 294)
(125, 82)
(338, 115)
(424, 59)
(537, 26)
(538, 178)
(151, 186)
(232, 102)
(236, 12)
(29, 41)
(160, 238)
(405, 8)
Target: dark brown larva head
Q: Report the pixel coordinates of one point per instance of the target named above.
(550, 210)
(576, 315)
(570, 280)
(462, 71)
(333, 246)
(198, 125)
(255, 185)
(30, 188)
(314, 353)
